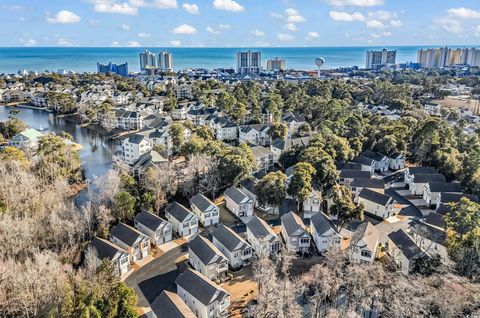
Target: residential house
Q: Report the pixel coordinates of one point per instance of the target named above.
(359, 184)
(151, 159)
(410, 171)
(294, 233)
(347, 176)
(433, 190)
(180, 112)
(364, 244)
(447, 197)
(131, 240)
(134, 146)
(313, 203)
(367, 164)
(205, 298)
(381, 162)
(184, 91)
(280, 146)
(99, 249)
(324, 233)
(157, 229)
(128, 120)
(39, 99)
(207, 259)
(377, 204)
(225, 129)
(264, 158)
(238, 202)
(183, 221)
(207, 212)
(26, 139)
(403, 250)
(257, 134)
(170, 305)
(232, 245)
(293, 121)
(396, 161)
(261, 237)
(417, 182)
(432, 108)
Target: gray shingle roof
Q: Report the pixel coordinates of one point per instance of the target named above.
(347, 173)
(201, 202)
(126, 234)
(366, 232)
(205, 250)
(105, 249)
(260, 151)
(435, 219)
(292, 223)
(178, 211)
(150, 220)
(445, 187)
(446, 197)
(363, 160)
(373, 155)
(376, 197)
(259, 228)
(231, 240)
(235, 194)
(348, 165)
(421, 170)
(368, 183)
(170, 305)
(425, 178)
(405, 244)
(322, 223)
(200, 287)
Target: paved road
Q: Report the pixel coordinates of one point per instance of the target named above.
(158, 275)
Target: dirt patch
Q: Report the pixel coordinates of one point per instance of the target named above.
(242, 289)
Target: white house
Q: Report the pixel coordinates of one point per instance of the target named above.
(157, 229)
(432, 108)
(367, 164)
(26, 139)
(233, 246)
(261, 237)
(410, 171)
(206, 258)
(313, 203)
(377, 204)
(433, 189)
(205, 298)
(183, 221)
(131, 240)
(293, 120)
(364, 243)
(264, 158)
(225, 130)
(238, 202)
(133, 147)
(170, 305)
(207, 212)
(403, 250)
(381, 162)
(128, 120)
(100, 249)
(257, 134)
(446, 198)
(417, 182)
(347, 176)
(294, 233)
(180, 112)
(396, 161)
(359, 184)
(324, 233)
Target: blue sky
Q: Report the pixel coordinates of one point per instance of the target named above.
(238, 23)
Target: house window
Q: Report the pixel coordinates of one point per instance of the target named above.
(193, 222)
(305, 241)
(366, 253)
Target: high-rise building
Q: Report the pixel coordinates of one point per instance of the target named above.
(120, 69)
(165, 61)
(249, 62)
(378, 59)
(276, 64)
(147, 60)
(444, 57)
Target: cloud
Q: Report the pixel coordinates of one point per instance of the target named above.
(175, 43)
(312, 35)
(27, 41)
(257, 32)
(94, 22)
(64, 17)
(144, 35)
(346, 17)
(396, 23)
(191, 8)
(228, 5)
(464, 13)
(374, 24)
(276, 15)
(293, 16)
(125, 27)
(355, 3)
(285, 37)
(212, 30)
(133, 44)
(225, 27)
(115, 44)
(291, 27)
(184, 29)
(165, 4)
(108, 6)
(380, 35)
(64, 42)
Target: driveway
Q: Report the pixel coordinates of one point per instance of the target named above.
(158, 275)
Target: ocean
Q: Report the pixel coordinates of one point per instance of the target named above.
(80, 59)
